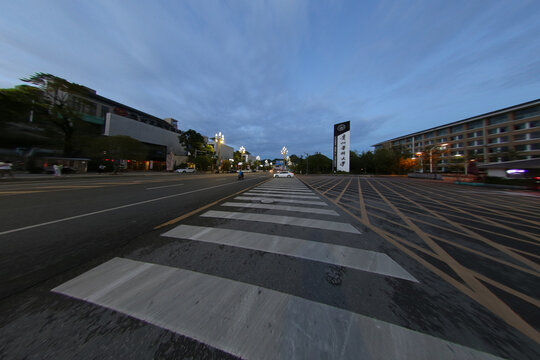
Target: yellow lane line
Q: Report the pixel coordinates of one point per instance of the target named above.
(509, 290)
(324, 183)
(198, 210)
(475, 205)
(427, 216)
(361, 201)
(497, 199)
(475, 288)
(15, 192)
(476, 252)
(344, 189)
(471, 233)
(332, 187)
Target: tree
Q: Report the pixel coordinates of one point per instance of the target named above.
(388, 160)
(62, 99)
(225, 165)
(319, 164)
(193, 142)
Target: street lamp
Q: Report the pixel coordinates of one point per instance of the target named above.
(421, 155)
(284, 152)
(459, 156)
(243, 151)
(219, 139)
(441, 147)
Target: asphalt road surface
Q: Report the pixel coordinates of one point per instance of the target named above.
(310, 268)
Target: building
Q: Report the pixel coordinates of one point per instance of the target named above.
(113, 118)
(506, 134)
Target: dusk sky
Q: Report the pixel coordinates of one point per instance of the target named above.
(270, 74)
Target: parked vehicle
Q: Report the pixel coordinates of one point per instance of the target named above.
(285, 174)
(185, 170)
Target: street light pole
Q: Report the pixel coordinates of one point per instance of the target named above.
(219, 139)
(242, 151)
(284, 152)
(442, 147)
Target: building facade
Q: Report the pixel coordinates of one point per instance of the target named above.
(507, 134)
(114, 118)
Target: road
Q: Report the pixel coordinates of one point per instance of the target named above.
(311, 268)
(50, 226)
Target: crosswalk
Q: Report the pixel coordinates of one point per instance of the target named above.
(251, 321)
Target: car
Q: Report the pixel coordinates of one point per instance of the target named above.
(286, 174)
(185, 170)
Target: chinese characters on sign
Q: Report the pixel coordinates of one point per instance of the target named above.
(342, 136)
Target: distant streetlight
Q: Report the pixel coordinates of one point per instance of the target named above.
(219, 139)
(284, 152)
(243, 152)
(421, 155)
(459, 156)
(440, 147)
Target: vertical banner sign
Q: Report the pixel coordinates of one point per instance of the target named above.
(342, 146)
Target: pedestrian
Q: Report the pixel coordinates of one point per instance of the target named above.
(5, 168)
(57, 170)
(101, 168)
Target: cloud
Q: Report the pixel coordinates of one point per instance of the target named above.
(269, 74)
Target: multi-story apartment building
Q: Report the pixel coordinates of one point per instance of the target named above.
(504, 134)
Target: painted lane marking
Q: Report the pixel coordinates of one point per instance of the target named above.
(112, 209)
(308, 210)
(285, 191)
(269, 198)
(248, 321)
(364, 260)
(284, 220)
(164, 186)
(284, 188)
(266, 193)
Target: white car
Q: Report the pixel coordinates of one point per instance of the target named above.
(286, 174)
(186, 170)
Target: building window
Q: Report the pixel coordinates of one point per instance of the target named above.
(527, 113)
(535, 146)
(475, 124)
(534, 124)
(520, 137)
(497, 130)
(430, 134)
(457, 128)
(457, 137)
(104, 111)
(475, 134)
(520, 126)
(498, 119)
(521, 147)
(534, 135)
(442, 132)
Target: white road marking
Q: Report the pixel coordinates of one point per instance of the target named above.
(308, 210)
(270, 198)
(248, 321)
(270, 193)
(284, 190)
(284, 220)
(165, 186)
(112, 209)
(359, 259)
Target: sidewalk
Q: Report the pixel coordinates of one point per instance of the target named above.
(24, 176)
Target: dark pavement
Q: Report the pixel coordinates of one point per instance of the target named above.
(420, 270)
